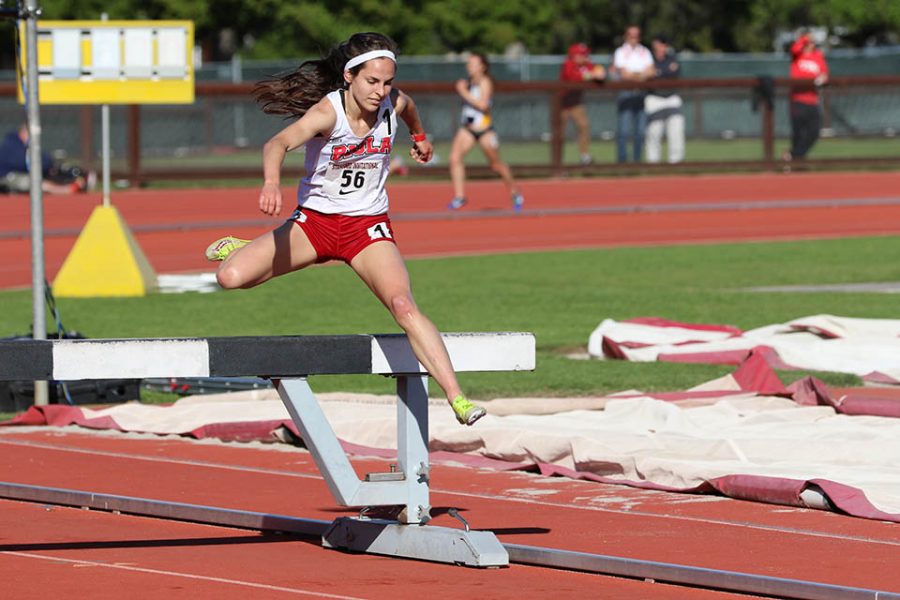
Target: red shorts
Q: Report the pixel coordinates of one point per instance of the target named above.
(339, 237)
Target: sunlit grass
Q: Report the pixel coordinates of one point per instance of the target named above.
(560, 296)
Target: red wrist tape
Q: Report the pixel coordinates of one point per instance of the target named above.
(418, 137)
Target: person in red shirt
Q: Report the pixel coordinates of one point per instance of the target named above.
(807, 62)
(578, 67)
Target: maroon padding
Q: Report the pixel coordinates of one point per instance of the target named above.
(771, 490)
(756, 374)
(809, 391)
(32, 416)
(815, 329)
(661, 322)
(753, 375)
(869, 405)
(612, 350)
(59, 415)
(775, 490)
(719, 357)
(243, 431)
(852, 501)
(879, 377)
(637, 345)
(728, 357)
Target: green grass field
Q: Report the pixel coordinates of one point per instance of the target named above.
(560, 296)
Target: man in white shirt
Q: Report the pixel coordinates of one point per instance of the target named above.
(631, 62)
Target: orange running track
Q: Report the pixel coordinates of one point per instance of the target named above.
(49, 549)
(173, 227)
(53, 551)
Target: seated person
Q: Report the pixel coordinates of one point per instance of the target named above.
(59, 178)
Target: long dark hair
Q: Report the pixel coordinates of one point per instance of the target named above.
(291, 94)
(484, 60)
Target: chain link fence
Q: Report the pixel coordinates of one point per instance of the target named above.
(222, 128)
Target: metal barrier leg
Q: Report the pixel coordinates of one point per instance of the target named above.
(412, 446)
(409, 537)
(330, 457)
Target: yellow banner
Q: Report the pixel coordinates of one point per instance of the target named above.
(114, 62)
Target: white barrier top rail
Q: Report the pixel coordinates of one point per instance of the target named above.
(279, 356)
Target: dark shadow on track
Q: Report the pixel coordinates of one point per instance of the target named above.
(518, 530)
(266, 538)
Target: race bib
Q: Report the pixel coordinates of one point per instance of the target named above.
(379, 231)
(353, 182)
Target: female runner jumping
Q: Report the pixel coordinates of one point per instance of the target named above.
(347, 113)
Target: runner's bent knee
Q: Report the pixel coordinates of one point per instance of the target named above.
(403, 309)
(229, 277)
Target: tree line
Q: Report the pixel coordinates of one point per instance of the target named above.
(276, 29)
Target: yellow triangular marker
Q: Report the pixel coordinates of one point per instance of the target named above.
(105, 261)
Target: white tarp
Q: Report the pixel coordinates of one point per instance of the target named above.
(639, 439)
(866, 347)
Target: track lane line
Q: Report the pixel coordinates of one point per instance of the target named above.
(666, 572)
(490, 497)
(649, 206)
(238, 582)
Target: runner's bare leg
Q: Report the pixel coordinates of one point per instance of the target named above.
(463, 142)
(488, 143)
(382, 268)
(274, 253)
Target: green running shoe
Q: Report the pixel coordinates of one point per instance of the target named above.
(466, 412)
(222, 247)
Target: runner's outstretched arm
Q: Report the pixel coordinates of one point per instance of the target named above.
(422, 149)
(318, 120)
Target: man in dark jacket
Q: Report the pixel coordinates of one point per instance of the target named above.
(663, 106)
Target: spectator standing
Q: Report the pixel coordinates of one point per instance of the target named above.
(663, 107)
(807, 62)
(632, 61)
(578, 67)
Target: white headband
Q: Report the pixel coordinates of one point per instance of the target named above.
(358, 60)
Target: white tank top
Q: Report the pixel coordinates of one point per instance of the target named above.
(345, 173)
(471, 117)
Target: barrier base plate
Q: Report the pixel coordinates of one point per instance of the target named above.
(420, 542)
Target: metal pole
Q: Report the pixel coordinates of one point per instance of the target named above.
(557, 132)
(39, 324)
(134, 143)
(768, 123)
(104, 141)
(237, 76)
(104, 128)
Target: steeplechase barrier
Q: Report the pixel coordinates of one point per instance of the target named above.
(289, 361)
